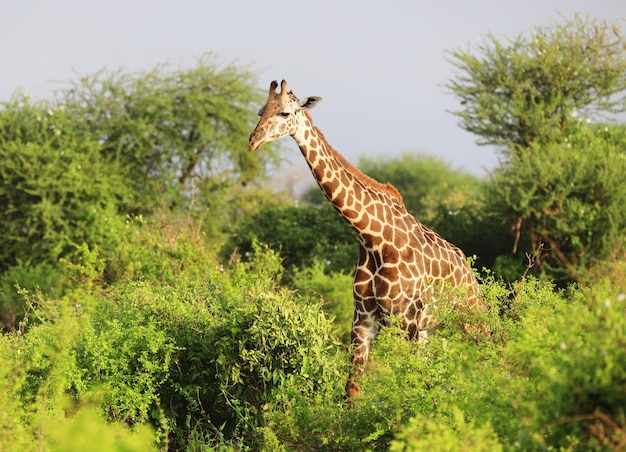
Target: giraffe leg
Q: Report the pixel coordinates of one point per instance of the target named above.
(364, 330)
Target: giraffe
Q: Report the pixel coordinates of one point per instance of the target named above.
(402, 265)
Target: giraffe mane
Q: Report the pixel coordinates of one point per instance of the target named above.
(364, 178)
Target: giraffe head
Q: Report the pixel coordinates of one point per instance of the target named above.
(280, 116)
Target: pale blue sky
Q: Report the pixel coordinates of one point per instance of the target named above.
(379, 65)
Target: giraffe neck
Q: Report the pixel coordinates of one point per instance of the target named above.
(357, 197)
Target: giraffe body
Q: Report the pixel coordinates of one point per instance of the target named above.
(403, 266)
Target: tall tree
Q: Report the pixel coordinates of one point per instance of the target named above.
(543, 99)
(173, 131)
(532, 88)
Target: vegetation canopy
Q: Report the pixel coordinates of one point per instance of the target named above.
(154, 295)
(544, 99)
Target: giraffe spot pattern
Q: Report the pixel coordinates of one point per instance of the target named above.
(403, 267)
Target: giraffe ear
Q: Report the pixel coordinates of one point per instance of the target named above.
(310, 102)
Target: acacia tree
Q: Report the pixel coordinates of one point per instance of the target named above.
(531, 89)
(114, 144)
(174, 130)
(545, 99)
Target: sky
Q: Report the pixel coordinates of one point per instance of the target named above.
(380, 66)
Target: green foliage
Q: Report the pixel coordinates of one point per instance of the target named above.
(527, 90)
(87, 430)
(575, 354)
(128, 358)
(241, 342)
(550, 377)
(443, 435)
(41, 276)
(198, 351)
(559, 187)
(40, 378)
(56, 188)
(335, 291)
(480, 232)
(172, 132)
(568, 200)
(301, 235)
(426, 183)
(115, 144)
(195, 355)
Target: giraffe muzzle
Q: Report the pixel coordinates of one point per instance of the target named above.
(254, 144)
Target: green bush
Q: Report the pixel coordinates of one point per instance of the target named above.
(442, 435)
(173, 132)
(198, 351)
(574, 352)
(45, 403)
(115, 144)
(191, 354)
(56, 189)
(41, 276)
(220, 346)
(551, 376)
(335, 291)
(301, 235)
(426, 183)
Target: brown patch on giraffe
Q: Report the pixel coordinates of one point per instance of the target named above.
(362, 223)
(390, 254)
(389, 273)
(384, 305)
(401, 238)
(436, 271)
(350, 214)
(380, 210)
(389, 217)
(362, 284)
(366, 305)
(338, 198)
(375, 226)
(349, 200)
(381, 286)
(444, 267)
(428, 265)
(344, 179)
(403, 268)
(387, 233)
(406, 254)
(436, 252)
(411, 311)
(412, 330)
(374, 241)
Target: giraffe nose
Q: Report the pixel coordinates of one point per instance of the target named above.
(253, 143)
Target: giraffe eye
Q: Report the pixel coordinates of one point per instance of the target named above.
(284, 114)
